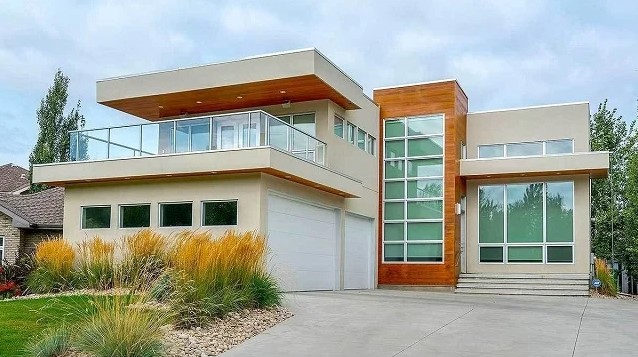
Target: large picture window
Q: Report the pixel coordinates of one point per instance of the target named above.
(526, 223)
(413, 189)
(96, 217)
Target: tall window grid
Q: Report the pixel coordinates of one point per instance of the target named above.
(413, 226)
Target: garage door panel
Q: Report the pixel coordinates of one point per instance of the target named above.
(293, 208)
(298, 243)
(302, 240)
(359, 240)
(285, 223)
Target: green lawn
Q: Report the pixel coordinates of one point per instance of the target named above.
(21, 320)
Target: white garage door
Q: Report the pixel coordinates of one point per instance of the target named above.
(357, 269)
(303, 243)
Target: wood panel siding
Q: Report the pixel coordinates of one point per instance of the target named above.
(242, 96)
(446, 98)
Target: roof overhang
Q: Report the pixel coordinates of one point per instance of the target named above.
(595, 164)
(17, 220)
(296, 76)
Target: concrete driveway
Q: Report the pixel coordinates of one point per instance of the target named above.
(402, 323)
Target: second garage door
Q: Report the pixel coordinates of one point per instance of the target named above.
(303, 242)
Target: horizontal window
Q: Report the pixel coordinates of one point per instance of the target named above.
(425, 146)
(425, 188)
(425, 252)
(425, 167)
(135, 216)
(489, 151)
(219, 213)
(425, 210)
(491, 254)
(425, 230)
(525, 254)
(559, 147)
(535, 148)
(393, 252)
(96, 217)
(176, 214)
(429, 125)
(560, 254)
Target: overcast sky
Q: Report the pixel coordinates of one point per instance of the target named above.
(503, 53)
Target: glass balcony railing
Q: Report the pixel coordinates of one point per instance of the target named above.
(210, 133)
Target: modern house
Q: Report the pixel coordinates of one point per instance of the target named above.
(403, 189)
(26, 219)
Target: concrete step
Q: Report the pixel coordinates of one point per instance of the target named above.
(524, 276)
(522, 286)
(537, 292)
(530, 281)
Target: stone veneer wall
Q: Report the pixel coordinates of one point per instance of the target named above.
(11, 236)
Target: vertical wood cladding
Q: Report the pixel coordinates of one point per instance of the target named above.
(422, 99)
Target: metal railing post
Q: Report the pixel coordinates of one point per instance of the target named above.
(108, 143)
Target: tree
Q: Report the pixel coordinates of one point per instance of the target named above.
(53, 137)
(609, 132)
(628, 247)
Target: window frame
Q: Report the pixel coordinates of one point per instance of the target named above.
(365, 139)
(2, 240)
(370, 144)
(95, 206)
(120, 218)
(203, 212)
(405, 200)
(352, 140)
(506, 156)
(543, 244)
(159, 213)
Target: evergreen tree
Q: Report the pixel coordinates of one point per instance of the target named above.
(52, 144)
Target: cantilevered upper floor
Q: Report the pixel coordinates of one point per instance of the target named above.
(294, 115)
(533, 141)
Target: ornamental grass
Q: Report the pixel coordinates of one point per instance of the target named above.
(604, 274)
(144, 255)
(96, 265)
(54, 260)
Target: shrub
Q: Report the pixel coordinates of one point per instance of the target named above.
(16, 272)
(144, 255)
(122, 326)
(216, 276)
(604, 274)
(53, 266)
(95, 268)
(53, 342)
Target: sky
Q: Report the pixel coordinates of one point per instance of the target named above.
(503, 53)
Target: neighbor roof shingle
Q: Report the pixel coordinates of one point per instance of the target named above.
(41, 209)
(13, 178)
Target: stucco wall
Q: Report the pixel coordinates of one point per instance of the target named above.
(565, 121)
(245, 188)
(581, 230)
(11, 236)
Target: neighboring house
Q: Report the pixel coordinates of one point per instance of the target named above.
(26, 219)
(405, 189)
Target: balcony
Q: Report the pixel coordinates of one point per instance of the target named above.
(232, 131)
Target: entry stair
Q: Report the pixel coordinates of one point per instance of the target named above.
(524, 284)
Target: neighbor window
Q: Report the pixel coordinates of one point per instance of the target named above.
(219, 213)
(338, 126)
(413, 189)
(176, 214)
(96, 217)
(361, 139)
(526, 223)
(135, 216)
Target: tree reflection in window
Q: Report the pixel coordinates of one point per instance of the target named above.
(525, 213)
(491, 214)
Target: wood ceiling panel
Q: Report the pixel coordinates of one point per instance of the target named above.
(248, 95)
